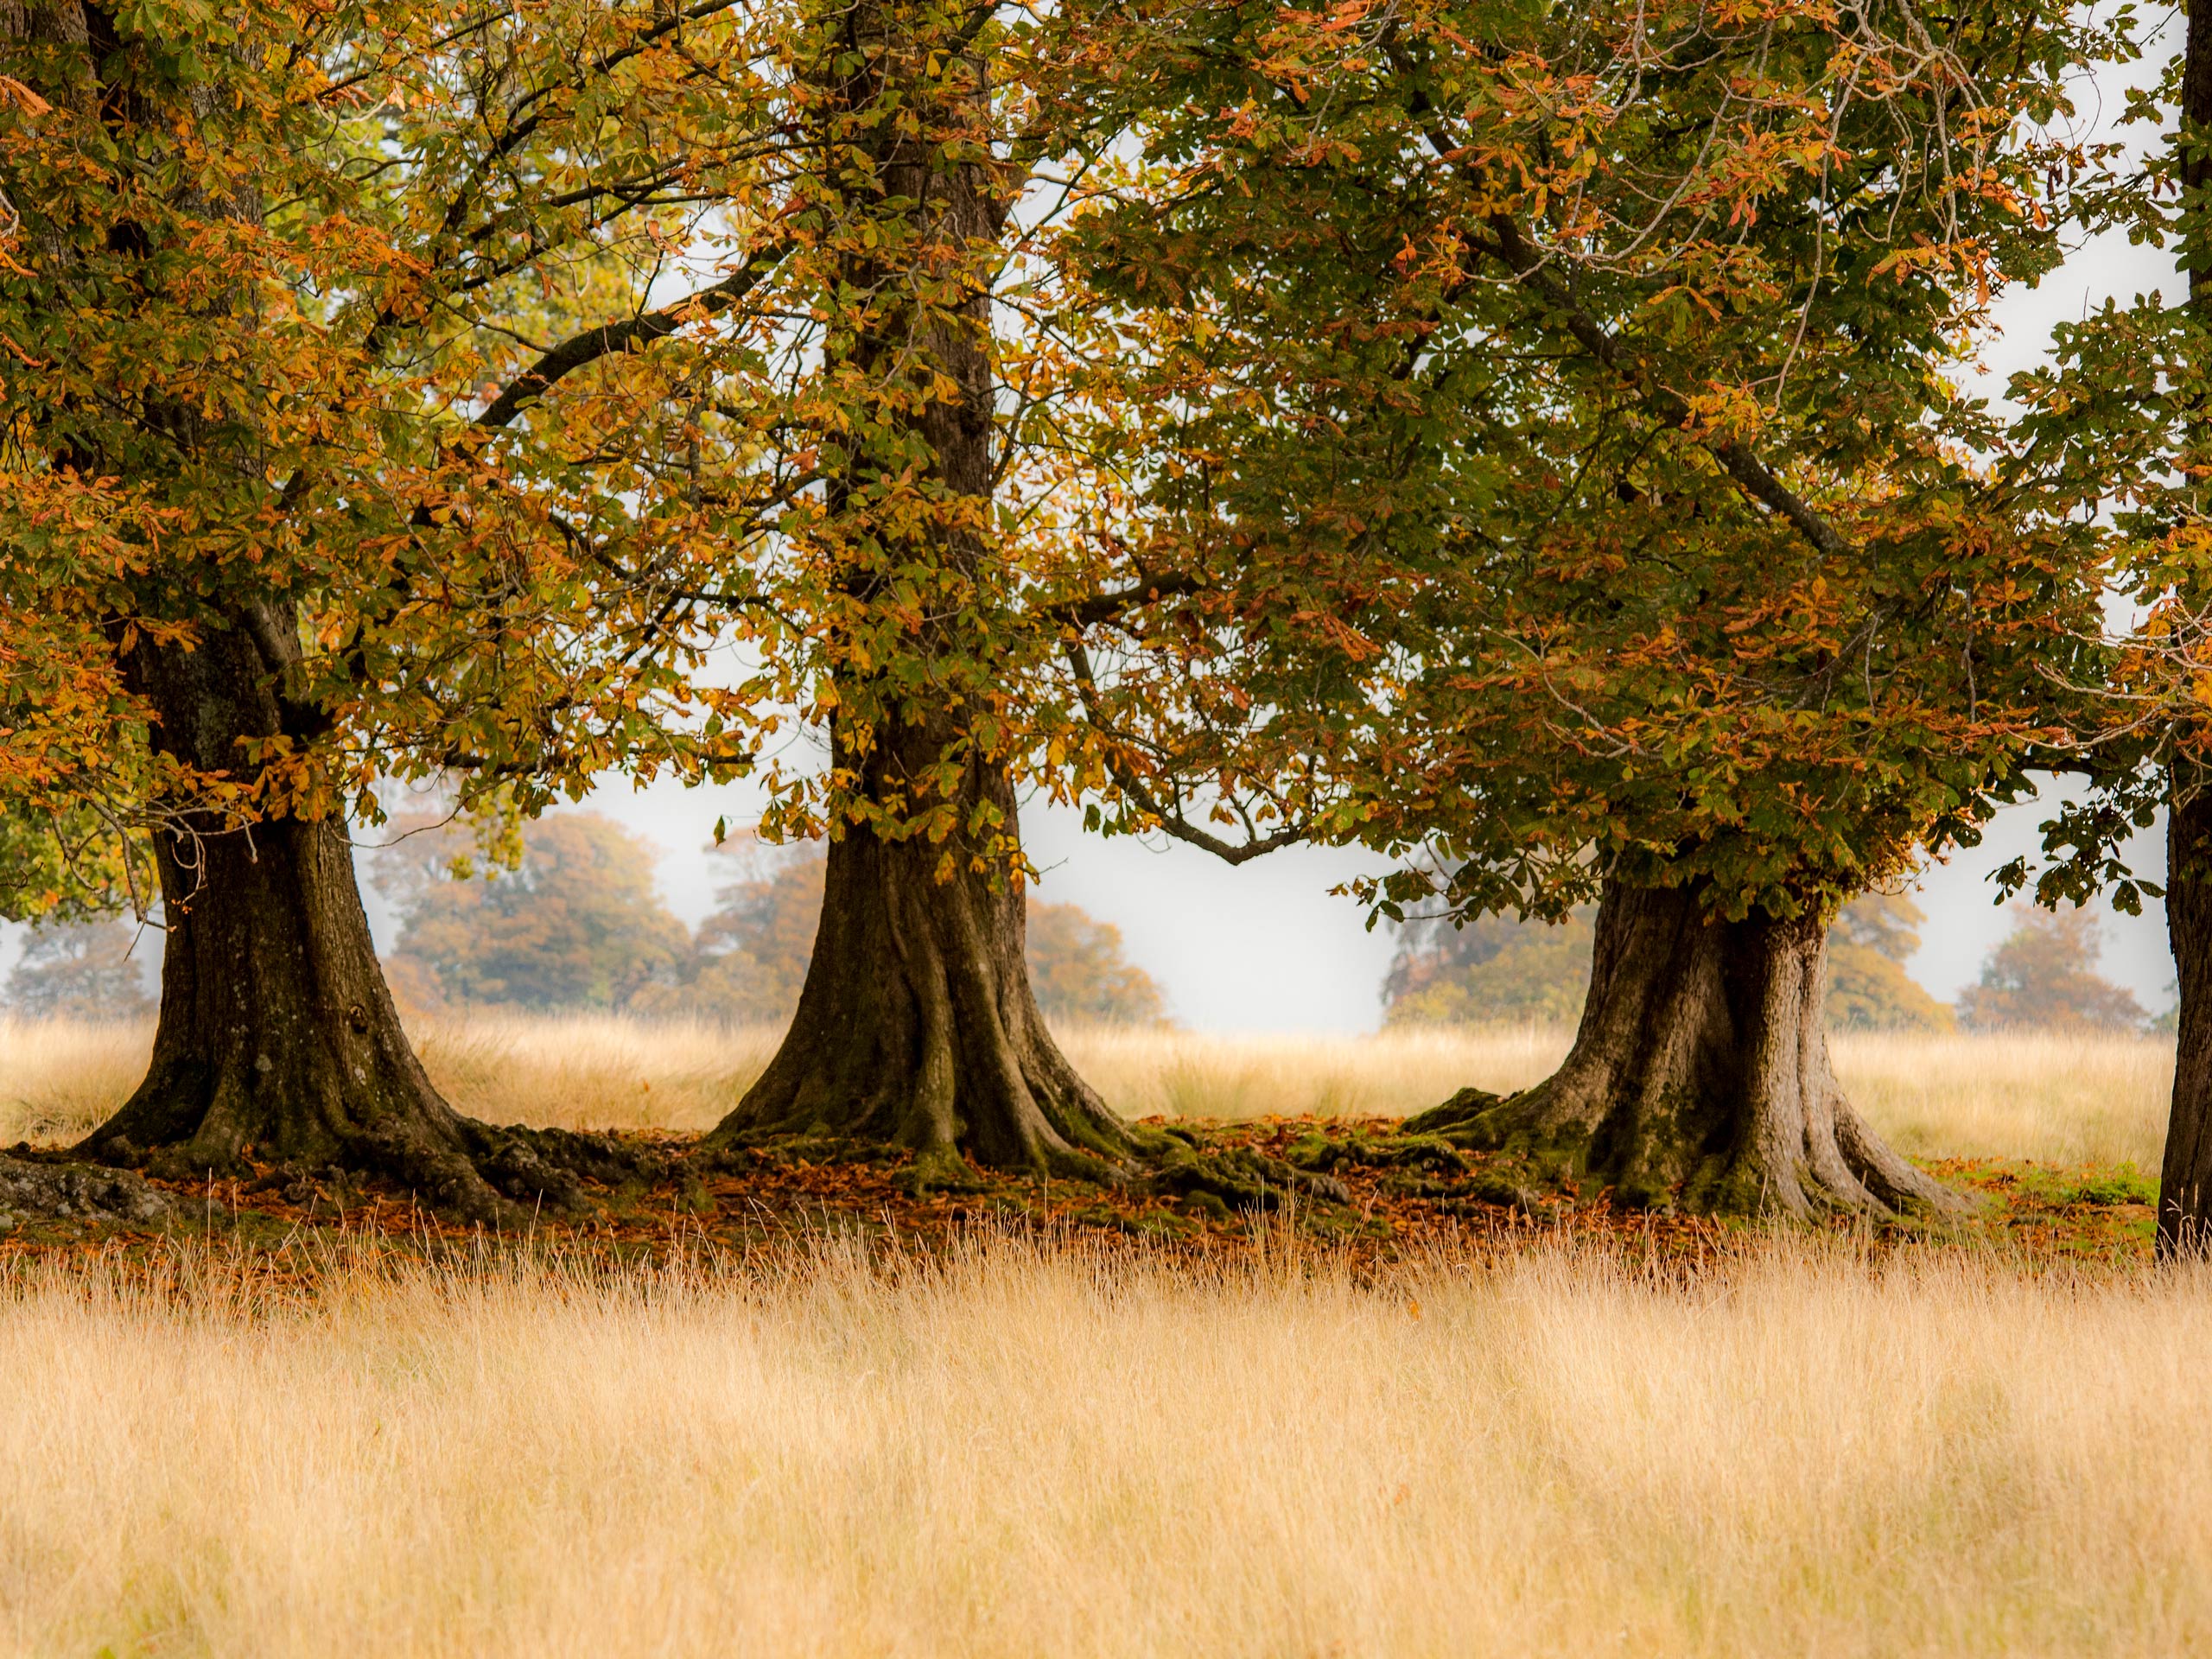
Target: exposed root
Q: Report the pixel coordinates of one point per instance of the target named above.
(1458, 1122)
(49, 1186)
(1699, 1075)
(497, 1175)
(1239, 1177)
(530, 1164)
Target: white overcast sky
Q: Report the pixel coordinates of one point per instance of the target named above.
(1266, 947)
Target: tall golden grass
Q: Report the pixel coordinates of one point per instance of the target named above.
(1037, 1446)
(1033, 1450)
(2058, 1098)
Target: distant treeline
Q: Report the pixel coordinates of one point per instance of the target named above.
(1499, 970)
(576, 922)
(572, 920)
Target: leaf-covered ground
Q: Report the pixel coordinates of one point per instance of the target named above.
(1364, 1191)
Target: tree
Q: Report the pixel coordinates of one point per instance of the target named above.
(2122, 402)
(934, 593)
(749, 960)
(1868, 988)
(576, 924)
(1082, 976)
(1493, 970)
(80, 970)
(1552, 422)
(2044, 976)
(343, 436)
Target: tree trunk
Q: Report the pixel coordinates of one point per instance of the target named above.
(277, 1033)
(277, 1036)
(1700, 1072)
(2185, 1174)
(917, 1026)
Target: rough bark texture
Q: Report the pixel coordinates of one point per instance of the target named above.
(1700, 1072)
(2185, 1175)
(917, 1025)
(277, 1035)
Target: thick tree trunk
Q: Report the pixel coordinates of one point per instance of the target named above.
(2185, 1175)
(277, 1036)
(1700, 1072)
(917, 1026)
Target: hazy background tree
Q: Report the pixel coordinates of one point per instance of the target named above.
(1872, 940)
(2044, 977)
(1495, 970)
(576, 924)
(1081, 975)
(748, 962)
(83, 971)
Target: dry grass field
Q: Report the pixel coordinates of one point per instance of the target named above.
(2055, 1099)
(1036, 1444)
(1029, 1449)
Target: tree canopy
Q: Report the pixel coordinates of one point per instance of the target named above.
(1554, 415)
(1490, 428)
(273, 297)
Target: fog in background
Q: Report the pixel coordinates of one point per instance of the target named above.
(1266, 947)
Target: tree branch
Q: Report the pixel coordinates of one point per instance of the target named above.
(1751, 475)
(579, 350)
(1105, 607)
(1173, 822)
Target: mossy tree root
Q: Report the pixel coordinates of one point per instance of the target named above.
(917, 1028)
(1243, 1177)
(1700, 1074)
(278, 1044)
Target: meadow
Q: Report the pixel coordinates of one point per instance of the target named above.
(2055, 1098)
(1051, 1443)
